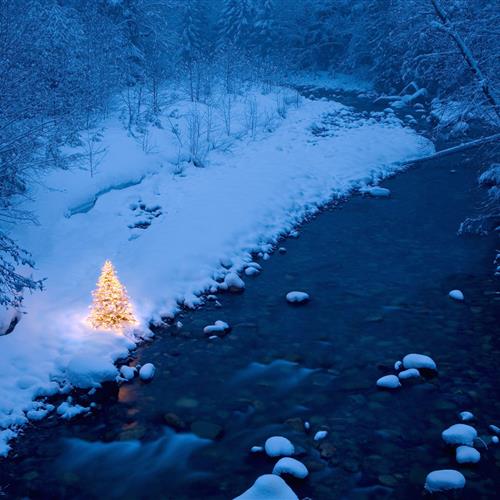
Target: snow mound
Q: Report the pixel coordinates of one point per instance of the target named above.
(459, 434)
(288, 465)
(467, 455)
(456, 295)
(147, 372)
(67, 410)
(268, 487)
(419, 361)
(442, 480)
(388, 382)
(297, 297)
(279, 446)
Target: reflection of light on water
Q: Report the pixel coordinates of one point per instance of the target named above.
(126, 393)
(123, 468)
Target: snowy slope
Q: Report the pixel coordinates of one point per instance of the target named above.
(244, 200)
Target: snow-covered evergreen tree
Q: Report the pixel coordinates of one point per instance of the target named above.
(264, 27)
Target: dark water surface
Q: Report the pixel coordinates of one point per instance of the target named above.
(378, 272)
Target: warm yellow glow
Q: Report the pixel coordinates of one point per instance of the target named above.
(111, 308)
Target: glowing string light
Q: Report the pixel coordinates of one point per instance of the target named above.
(111, 308)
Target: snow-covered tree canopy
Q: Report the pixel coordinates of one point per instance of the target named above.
(66, 63)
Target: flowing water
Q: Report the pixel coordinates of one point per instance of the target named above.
(378, 272)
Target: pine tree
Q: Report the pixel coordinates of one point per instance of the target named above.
(264, 27)
(235, 22)
(111, 308)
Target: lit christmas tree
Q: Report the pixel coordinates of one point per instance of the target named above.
(111, 308)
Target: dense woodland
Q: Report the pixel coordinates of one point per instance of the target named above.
(68, 64)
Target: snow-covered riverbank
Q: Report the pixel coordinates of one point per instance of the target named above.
(169, 234)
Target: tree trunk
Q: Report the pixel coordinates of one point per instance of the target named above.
(455, 149)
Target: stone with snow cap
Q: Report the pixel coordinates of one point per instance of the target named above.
(218, 327)
(467, 455)
(409, 373)
(459, 434)
(419, 361)
(127, 372)
(288, 465)
(443, 480)
(297, 297)
(466, 416)
(147, 372)
(388, 382)
(456, 295)
(234, 283)
(279, 446)
(378, 192)
(268, 487)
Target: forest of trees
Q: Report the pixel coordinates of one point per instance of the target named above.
(67, 64)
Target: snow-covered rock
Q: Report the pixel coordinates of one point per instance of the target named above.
(288, 465)
(252, 271)
(457, 295)
(234, 283)
(467, 455)
(398, 365)
(494, 428)
(494, 439)
(378, 192)
(217, 328)
(127, 372)
(256, 449)
(67, 410)
(320, 435)
(388, 382)
(297, 297)
(442, 480)
(419, 361)
(459, 434)
(409, 373)
(466, 416)
(307, 425)
(268, 487)
(147, 372)
(279, 446)
(40, 411)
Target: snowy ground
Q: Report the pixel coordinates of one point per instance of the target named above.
(255, 187)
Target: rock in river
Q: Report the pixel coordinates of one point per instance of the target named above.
(279, 446)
